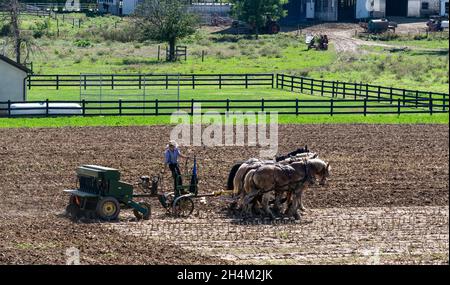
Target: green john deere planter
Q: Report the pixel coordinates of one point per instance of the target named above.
(101, 194)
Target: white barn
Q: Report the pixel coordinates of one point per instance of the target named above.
(13, 80)
(444, 8)
(117, 7)
(349, 10)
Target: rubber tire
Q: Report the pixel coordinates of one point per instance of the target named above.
(139, 215)
(188, 207)
(73, 211)
(105, 216)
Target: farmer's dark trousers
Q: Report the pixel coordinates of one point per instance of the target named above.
(176, 174)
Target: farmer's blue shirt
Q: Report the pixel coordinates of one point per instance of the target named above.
(172, 156)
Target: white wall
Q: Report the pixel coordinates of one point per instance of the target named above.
(442, 8)
(414, 8)
(11, 83)
(370, 8)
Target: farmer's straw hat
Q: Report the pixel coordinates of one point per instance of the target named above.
(172, 143)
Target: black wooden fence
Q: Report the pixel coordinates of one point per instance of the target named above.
(354, 91)
(150, 80)
(335, 89)
(157, 107)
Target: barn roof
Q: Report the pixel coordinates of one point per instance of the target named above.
(15, 64)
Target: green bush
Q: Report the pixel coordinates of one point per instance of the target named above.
(40, 29)
(82, 43)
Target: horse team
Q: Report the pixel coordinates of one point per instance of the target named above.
(275, 188)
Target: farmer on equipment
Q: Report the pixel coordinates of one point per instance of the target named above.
(171, 155)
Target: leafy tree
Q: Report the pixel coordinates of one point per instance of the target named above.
(164, 20)
(11, 19)
(256, 12)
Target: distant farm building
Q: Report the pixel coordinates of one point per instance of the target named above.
(117, 7)
(444, 8)
(349, 10)
(13, 80)
(204, 8)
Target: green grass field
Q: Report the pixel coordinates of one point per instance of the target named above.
(104, 45)
(161, 120)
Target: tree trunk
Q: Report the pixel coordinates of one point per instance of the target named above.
(14, 9)
(172, 50)
(17, 49)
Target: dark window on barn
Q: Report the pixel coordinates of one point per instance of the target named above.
(318, 5)
(321, 5)
(425, 5)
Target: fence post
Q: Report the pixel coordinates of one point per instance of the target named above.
(57, 82)
(404, 96)
(355, 90)
(331, 106)
(9, 108)
(193, 81)
(367, 91)
(276, 83)
(301, 85)
(228, 105)
(398, 106)
(312, 86)
(430, 97)
(343, 91)
(332, 90)
(272, 81)
(443, 102)
(417, 98)
(321, 87)
(85, 82)
(120, 107)
(29, 82)
(431, 106)
(296, 106)
(390, 94)
(220, 81)
(192, 107)
(167, 81)
(262, 104)
(156, 107)
(159, 52)
(292, 83)
(365, 107)
(112, 81)
(282, 81)
(46, 107)
(140, 81)
(83, 104)
(246, 81)
(379, 93)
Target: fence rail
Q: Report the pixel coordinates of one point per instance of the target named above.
(157, 107)
(139, 80)
(304, 85)
(354, 91)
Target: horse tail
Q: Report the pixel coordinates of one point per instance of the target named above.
(232, 174)
(248, 180)
(238, 181)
